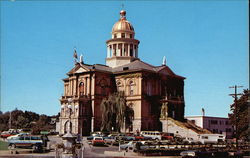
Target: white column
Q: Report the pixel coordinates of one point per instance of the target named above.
(116, 50)
(85, 86)
(92, 124)
(112, 50)
(134, 50)
(128, 49)
(108, 51)
(123, 54)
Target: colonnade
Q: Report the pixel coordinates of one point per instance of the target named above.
(122, 49)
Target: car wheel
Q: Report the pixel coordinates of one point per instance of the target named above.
(12, 146)
(36, 147)
(126, 149)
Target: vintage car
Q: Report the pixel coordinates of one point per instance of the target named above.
(26, 141)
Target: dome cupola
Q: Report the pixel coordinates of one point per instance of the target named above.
(123, 25)
(122, 48)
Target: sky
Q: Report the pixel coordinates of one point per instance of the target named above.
(205, 41)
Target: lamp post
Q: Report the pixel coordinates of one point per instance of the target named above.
(68, 138)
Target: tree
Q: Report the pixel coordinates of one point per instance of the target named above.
(25, 120)
(113, 112)
(240, 115)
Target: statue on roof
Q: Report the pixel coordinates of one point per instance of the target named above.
(164, 110)
(81, 59)
(164, 61)
(75, 56)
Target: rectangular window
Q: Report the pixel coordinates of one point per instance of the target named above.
(214, 122)
(123, 35)
(204, 137)
(228, 130)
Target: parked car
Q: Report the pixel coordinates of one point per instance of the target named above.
(197, 154)
(139, 137)
(188, 140)
(147, 145)
(18, 135)
(188, 153)
(127, 146)
(167, 136)
(151, 134)
(211, 138)
(34, 142)
(128, 138)
(98, 141)
(90, 138)
(6, 134)
(110, 140)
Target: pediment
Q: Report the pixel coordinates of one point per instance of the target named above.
(165, 71)
(81, 70)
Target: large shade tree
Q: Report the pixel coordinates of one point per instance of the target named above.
(240, 116)
(114, 112)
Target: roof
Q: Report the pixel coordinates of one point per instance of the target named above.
(123, 24)
(212, 117)
(136, 65)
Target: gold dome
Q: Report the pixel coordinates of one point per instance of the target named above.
(123, 25)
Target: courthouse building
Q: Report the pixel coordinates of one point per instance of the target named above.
(146, 87)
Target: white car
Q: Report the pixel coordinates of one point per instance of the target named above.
(127, 146)
(211, 138)
(190, 140)
(17, 135)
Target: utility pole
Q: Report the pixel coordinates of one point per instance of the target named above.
(10, 119)
(236, 110)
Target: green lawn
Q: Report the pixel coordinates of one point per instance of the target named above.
(3, 145)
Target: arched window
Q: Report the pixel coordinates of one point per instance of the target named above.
(81, 89)
(129, 116)
(131, 87)
(67, 126)
(119, 86)
(103, 85)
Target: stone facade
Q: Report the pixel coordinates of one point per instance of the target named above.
(146, 87)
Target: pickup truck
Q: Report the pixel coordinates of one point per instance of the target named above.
(25, 141)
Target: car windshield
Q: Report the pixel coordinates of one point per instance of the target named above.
(98, 138)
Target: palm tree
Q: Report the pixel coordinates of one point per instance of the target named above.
(113, 112)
